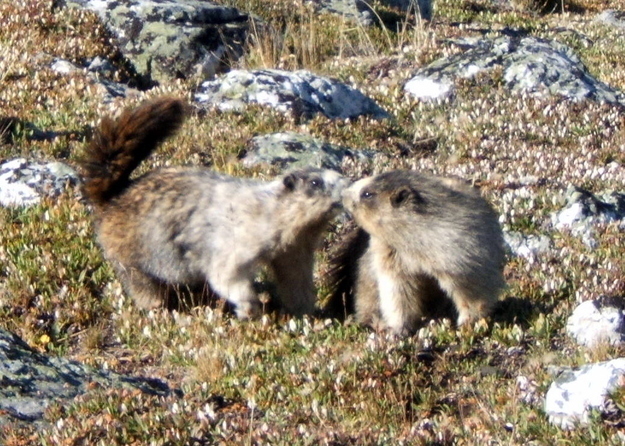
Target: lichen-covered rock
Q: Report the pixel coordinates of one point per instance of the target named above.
(299, 92)
(570, 398)
(527, 246)
(24, 184)
(292, 150)
(167, 39)
(530, 65)
(584, 210)
(31, 381)
(597, 321)
(363, 10)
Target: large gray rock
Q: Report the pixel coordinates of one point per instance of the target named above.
(31, 381)
(597, 321)
(299, 92)
(530, 65)
(24, 184)
(584, 210)
(363, 10)
(167, 39)
(292, 150)
(570, 398)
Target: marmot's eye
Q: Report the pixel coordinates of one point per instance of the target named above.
(316, 183)
(366, 195)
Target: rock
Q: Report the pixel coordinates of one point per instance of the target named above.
(63, 66)
(612, 17)
(24, 184)
(527, 246)
(570, 398)
(583, 210)
(290, 149)
(527, 390)
(100, 65)
(97, 66)
(363, 10)
(169, 39)
(31, 381)
(298, 92)
(530, 65)
(597, 321)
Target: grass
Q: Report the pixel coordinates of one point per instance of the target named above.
(284, 381)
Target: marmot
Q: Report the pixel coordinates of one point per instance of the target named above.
(422, 239)
(191, 228)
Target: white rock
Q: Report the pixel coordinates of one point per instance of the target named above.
(24, 184)
(64, 66)
(574, 393)
(527, 246)
(17, 194)
(591, 324)
(428, 89)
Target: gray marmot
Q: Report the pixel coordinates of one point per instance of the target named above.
(421, 240)
(191, 228)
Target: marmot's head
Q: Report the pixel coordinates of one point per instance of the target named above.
(315, 194)
(395, 202)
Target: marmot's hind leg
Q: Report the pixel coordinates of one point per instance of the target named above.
(147, 292)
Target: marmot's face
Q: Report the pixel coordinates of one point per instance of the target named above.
(319, 190)
(384, 203)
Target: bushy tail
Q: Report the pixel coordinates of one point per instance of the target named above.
(119, 146)
(342, 274)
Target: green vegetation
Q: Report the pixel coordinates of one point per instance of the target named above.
(282, 381)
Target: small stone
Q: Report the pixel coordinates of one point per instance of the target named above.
(593, 323)
(527, 246)
(64, 66)
(424, 88)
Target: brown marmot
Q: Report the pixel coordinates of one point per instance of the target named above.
(191, 228)
(422, 239)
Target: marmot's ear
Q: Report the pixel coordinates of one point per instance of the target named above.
(403, 195)
(289, 181)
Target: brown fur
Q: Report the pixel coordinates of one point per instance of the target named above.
(423, 240)
(196, 230)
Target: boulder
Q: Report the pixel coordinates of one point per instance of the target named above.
(575, 392)
(583, 210)
(597, 321)
(301, 93)
(31, 381)
(24, 184)
(292, 150)
(166, 39)
(530, 65)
